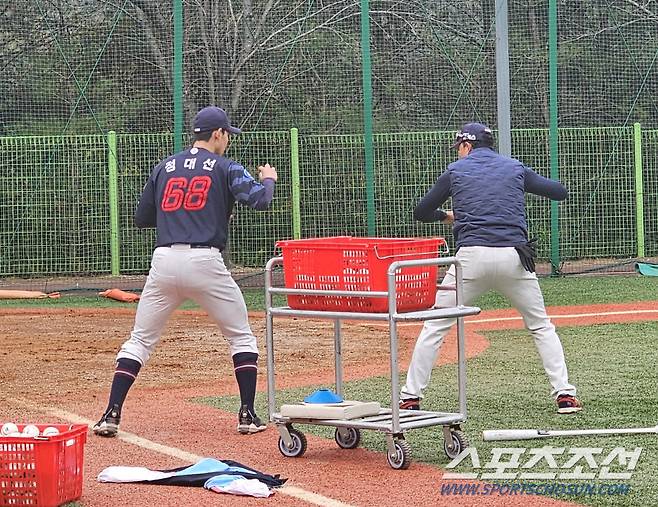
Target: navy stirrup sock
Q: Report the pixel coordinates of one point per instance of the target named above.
(245, 365)
(124, 376)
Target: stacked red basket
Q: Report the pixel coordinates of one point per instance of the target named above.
(349, 263)
(42, 471)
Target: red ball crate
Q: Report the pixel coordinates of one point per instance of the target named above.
(359, 264)
(42, 471)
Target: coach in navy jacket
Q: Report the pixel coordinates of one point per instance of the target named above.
(491, 234)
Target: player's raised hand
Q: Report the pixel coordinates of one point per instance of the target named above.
(266, 171)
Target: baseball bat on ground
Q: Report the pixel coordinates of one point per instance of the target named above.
(489, 435)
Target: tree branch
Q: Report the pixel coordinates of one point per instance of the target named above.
(642, 8)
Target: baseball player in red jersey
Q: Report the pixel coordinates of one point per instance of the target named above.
(189, 198)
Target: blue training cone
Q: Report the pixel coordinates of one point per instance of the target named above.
(323, 396)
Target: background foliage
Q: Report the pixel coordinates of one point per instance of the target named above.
(72, 70)
(85, 66)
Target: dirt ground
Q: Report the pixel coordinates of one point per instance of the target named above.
(57, 365)
(65, 351)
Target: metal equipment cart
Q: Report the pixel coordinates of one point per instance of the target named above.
(393, 422)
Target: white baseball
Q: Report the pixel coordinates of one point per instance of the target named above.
(8, 428)
(31, 431)
(50, 431)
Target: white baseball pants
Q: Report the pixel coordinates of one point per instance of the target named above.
(178, 273)
(484, 269)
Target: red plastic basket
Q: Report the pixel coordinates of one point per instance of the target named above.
(359, 264)
(43, 471)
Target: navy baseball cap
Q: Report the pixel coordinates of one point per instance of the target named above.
(212, 118)
(474, 133)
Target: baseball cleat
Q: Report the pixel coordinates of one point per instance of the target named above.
(410, 404)
(568, 404)
(108, 426)
(249, 422)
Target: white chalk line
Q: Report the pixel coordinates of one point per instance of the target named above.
(131, 438)
(518, 317)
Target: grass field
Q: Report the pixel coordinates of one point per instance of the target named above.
(614, 367)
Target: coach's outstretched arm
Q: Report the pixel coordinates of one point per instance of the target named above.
(426, 210)
(538, 185)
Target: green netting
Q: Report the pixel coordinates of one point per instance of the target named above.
(54, 201)
(137, 154)
(607, 63)
(650, 173)
(93, 66)
(275, 65)
(89, 67)
(407, 166)
(84, 67)
(332, 183)
(433, 64)
(597, 167)
(598, 220)
(55, 198)
(253, 233)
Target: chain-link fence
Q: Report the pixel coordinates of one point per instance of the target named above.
(143, 68)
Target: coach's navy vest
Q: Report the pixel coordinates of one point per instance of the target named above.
(488, 200)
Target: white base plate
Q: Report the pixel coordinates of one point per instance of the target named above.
(344, 410)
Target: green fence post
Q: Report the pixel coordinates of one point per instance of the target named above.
(294, 171)
(639, 189)
(553, 130)
(114, 200)
(367, 115)
(177, 75)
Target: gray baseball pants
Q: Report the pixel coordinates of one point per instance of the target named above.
(180, 272)
(484, 269)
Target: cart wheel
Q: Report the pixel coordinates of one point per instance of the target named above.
(458, 444)
(402, 458)
(298, 444)
(350, 441)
